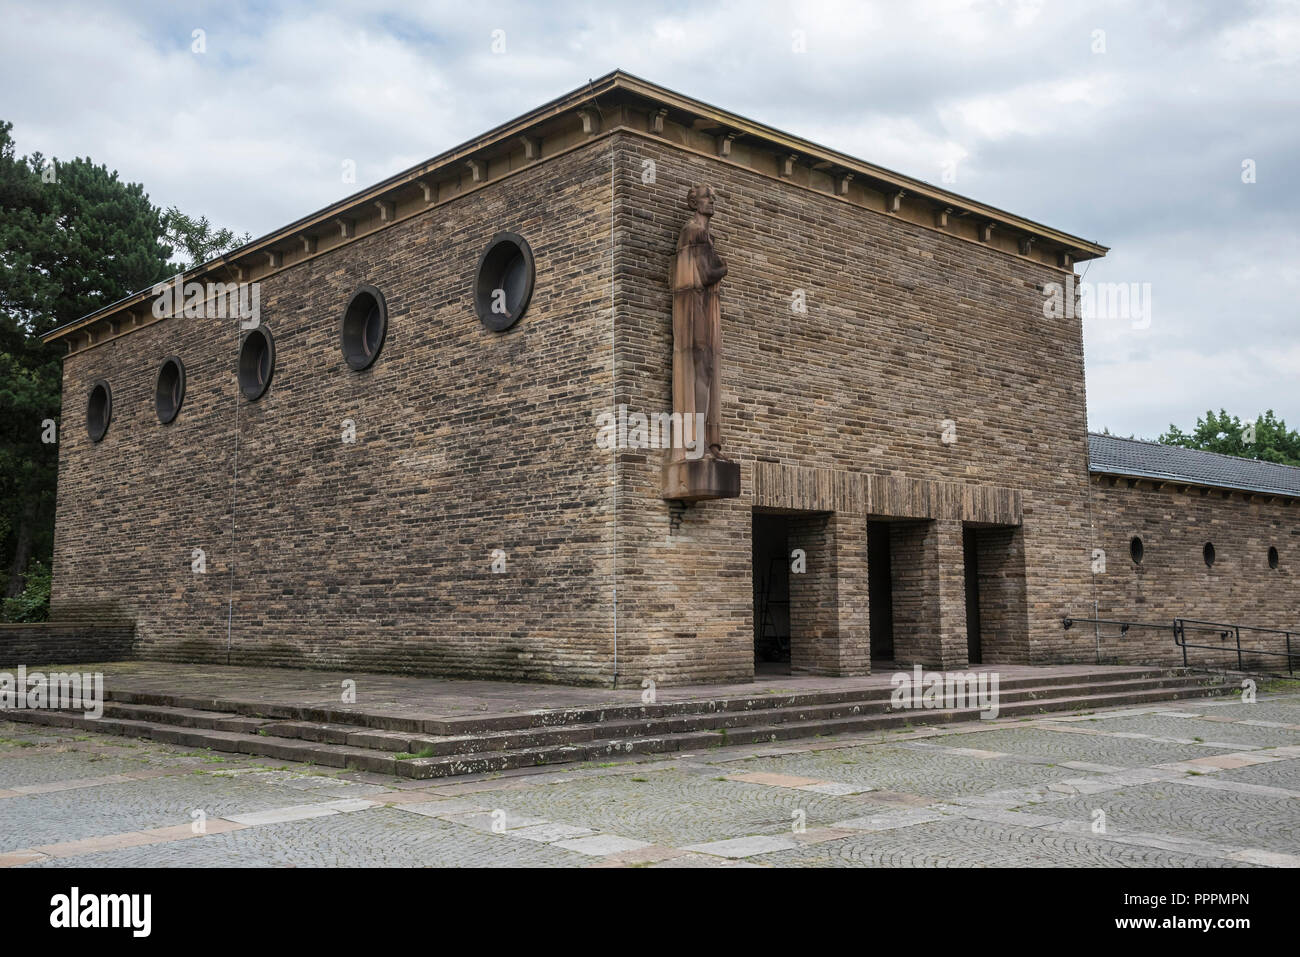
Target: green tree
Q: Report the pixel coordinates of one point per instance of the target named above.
(195, 241)
(1266, 438)
(73, 238)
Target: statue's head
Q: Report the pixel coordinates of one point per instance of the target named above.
(700, 198)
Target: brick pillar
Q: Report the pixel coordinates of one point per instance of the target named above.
(829, 614)
(929, 594)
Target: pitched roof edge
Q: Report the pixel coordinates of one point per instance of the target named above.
(1182, 478)
(571, 102)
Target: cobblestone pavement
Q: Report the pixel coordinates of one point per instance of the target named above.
(1202, 783)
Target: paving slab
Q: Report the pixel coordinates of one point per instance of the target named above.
(300, 812)
(602, 845)
(550, 832)
(745, 846)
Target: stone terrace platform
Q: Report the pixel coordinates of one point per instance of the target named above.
(420, 698)
(428, 728)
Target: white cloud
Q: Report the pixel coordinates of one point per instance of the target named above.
(1139, 147)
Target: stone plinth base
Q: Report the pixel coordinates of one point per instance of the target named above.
(694, 480)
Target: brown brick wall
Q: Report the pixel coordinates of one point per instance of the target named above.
(53, 642)
(375, 554)
(905, 327)
(1173, 580)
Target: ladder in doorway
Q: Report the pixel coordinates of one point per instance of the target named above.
(769, 641)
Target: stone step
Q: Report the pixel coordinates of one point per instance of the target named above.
(284, 749)
(448, 765)
(353, 718)
(185, 717)
(655, 736)
(713, 723)
(395, 741)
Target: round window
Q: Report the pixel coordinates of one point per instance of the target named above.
(1272, 556)
(1135, 550)
(504, 281)
(169, 392)
(365, 323)
(1208, 554)
(256, 363)
(99, 409)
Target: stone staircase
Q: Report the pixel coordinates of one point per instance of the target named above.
(431, 748)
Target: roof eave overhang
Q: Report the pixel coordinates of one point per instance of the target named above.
(1189, 483)
(1083, 249)
(616, 84)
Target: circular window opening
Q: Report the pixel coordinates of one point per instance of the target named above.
(169, 392)
(1272, 556)
(256, 363)
(365, 323)
(1208, 554)
(504, 282)
(99, 409)
(1135, 550)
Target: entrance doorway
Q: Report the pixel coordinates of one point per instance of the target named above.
(997, 621)
(974, 640)
(880, 592)
(771, 575)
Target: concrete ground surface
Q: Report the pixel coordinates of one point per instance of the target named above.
(1196, 783)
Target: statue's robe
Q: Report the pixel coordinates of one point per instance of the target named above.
(697, 332)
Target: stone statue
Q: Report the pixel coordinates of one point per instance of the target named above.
(697, 354)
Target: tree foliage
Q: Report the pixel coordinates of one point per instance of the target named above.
(1265, 438)
(195, 240)
(73, 239)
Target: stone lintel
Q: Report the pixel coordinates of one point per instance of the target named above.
(799, 488)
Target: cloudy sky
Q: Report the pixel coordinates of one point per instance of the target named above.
(1125, 123)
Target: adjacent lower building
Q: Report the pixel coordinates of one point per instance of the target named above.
(406, 433)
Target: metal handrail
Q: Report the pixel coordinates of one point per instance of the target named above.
(1181, 627)
(1124, 627)
(1225, 631)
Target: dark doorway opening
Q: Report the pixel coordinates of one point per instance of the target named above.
(880, 591)
(970, 550)
(771, 574)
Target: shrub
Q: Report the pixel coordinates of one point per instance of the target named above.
(33, 604)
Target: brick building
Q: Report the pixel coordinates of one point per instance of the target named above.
(388, 473)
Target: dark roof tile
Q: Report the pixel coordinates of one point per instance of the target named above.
(1113, 455)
